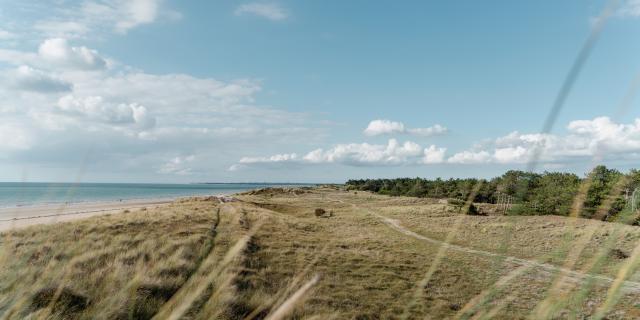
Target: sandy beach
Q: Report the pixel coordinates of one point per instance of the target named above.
(18, 217)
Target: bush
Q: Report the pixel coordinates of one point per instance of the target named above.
(473, 211)
(520, 210)
(319, 212)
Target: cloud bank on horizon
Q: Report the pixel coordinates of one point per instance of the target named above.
(65, 104)
(597, 139)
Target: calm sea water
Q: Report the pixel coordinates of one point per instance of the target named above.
(32, 193)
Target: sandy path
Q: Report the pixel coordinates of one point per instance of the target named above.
(18, 217)
(570, 275)
(631, 286)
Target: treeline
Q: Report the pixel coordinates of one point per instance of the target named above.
(603, 193)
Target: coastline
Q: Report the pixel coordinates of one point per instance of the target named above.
(24, 216)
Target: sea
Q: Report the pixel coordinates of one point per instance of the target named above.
(17, 194)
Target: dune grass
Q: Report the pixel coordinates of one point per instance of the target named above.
(269, 256)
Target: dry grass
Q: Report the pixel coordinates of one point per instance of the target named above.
(270, 256)
(124, 265)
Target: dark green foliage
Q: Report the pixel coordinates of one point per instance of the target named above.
(555, 193)
(456, 203)
(531, 193)
(521, 210)
(602, 181)
(473, 211)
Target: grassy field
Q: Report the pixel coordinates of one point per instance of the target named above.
(272, 255)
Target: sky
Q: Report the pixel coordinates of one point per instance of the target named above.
(312, 91)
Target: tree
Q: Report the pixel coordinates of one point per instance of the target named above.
(555, 192)
(601, 182)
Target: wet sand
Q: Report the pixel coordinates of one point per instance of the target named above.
(18, 217)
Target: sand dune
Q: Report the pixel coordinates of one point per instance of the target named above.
(17, 217)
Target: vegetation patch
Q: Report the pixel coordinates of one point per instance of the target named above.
(61, 300)
(605, 193)
(618, 254)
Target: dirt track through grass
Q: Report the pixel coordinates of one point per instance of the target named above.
(571, 275)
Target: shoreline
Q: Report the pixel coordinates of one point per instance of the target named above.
(24, 216)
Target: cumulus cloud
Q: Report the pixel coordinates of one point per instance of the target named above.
(433, 155)
(96, 109)
(470, 157)
(58, 52)
(29, 79)
(377, 127)
(367, 154)
(599, 138)
(271, 11)
(380, 127)
(57, 101)
(357, 154)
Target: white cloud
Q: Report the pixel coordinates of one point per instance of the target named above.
(367, 154)
(470, 157)
(95, 17)
(516, 154)
(630, 8)
(13, 137)
(96, 109)
(433, 155)
(271, 11)
(599, 138)
(65, 29)
(357, 154)
(379, 127)
(273, 159)
(136, 13)
(29, 79)
(132, 119)
(178, 166)
(16, 57)
(430, 131)
(6, 35)
(58, 52)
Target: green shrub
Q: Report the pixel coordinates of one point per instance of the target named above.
(473, 211)
(520, 210)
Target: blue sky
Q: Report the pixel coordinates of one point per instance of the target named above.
(322, 91)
